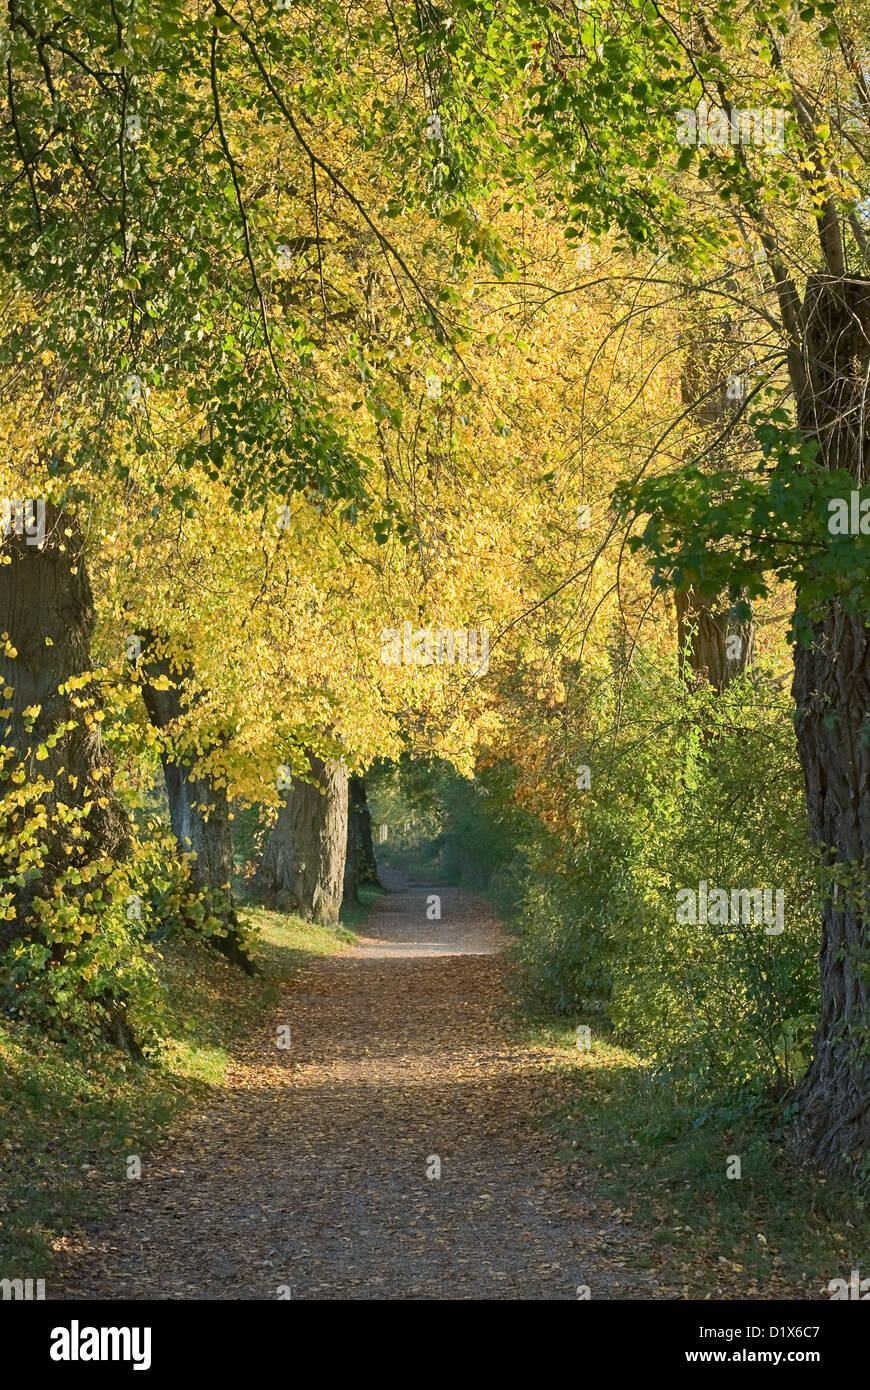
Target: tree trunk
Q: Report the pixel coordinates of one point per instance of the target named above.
(360, 866)
(832, 694)
(714, 645)
(198, 807)
(368, 864)
(352, 857)
(46, 620)
(302, 869)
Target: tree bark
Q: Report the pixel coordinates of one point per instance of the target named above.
(302, 869)
(714, 646)
(198, 807)
(47, 613)
(360, 865)
(832, 694)
(368, 864)
(352, 857)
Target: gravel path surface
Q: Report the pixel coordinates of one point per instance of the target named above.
(309, 1175)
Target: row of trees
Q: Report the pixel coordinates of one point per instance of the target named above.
(254, 457)
(321, 321)
(774, 227)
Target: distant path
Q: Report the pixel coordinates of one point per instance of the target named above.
(311, 1170)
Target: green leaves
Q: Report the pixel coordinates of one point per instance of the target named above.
(726, 531)
(128, 252)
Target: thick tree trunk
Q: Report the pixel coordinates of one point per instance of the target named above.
(302, 869)
(46, 621)
(198, 807)
(832, 694)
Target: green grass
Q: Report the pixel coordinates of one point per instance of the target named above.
(353, 915)
(69, 1117)
(659, 1150)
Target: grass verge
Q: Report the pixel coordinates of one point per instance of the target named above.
(69, 1117)
(660, 1151)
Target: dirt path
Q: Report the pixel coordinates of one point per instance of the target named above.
(310, 1172)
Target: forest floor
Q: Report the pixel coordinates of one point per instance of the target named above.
(311, 1174)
